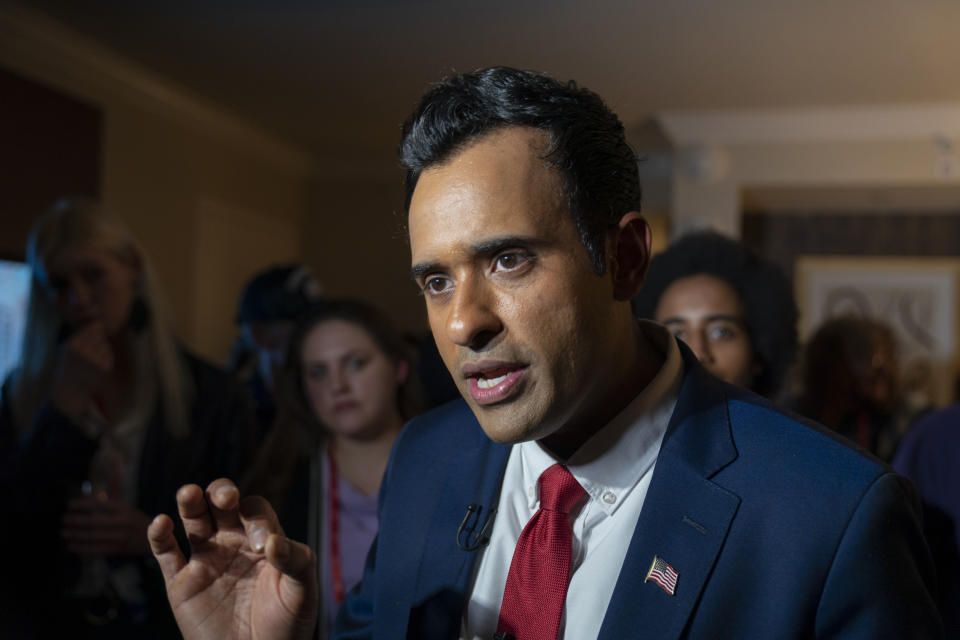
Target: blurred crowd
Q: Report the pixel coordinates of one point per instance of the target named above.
(109, 413)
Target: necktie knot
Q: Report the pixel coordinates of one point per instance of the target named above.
(559, 490)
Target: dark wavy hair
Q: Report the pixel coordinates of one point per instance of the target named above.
(765, 293)
(291, 392)
(587, 142)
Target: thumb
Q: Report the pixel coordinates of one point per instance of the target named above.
(291, 558)
(298, 585)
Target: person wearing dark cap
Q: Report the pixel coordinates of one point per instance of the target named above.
(269, 306)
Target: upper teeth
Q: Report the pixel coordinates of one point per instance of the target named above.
(486, 383)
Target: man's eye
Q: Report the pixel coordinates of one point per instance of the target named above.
(436, 285)
(509, 261)
(722, 332)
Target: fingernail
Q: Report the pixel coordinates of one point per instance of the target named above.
(258, 538)
(225, 493)
(283, 549)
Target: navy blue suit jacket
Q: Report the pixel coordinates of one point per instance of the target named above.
(777, 529)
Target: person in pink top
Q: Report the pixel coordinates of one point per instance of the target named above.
(345, 391)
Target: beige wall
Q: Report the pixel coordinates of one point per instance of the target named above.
(357, 245)
(723, 153)
(704, 200)
(175, 168)
(179, 190)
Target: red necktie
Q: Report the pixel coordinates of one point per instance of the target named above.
(540, 571)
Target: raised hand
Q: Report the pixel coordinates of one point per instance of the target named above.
(100, 526)
(84, 359)
(245, 579)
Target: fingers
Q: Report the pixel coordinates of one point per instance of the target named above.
(111, 528)
(223, 498)
(83, 360)
(100, 548)
(291, 558)
(164, 546)
(259, 520)
(205, 512)
(92, 344)
(88, 504)
(95, 527)
(194, 513)
(298, 587)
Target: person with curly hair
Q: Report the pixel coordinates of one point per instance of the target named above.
(733, 309)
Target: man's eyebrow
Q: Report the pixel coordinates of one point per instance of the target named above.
(421, 269)
(713, 317)
(485, 247)
(495, 245)
(726, 317)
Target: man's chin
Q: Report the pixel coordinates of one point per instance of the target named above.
(508, 433)
(503, 438)
(510, 422)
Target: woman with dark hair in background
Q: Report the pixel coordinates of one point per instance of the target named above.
(734, 310)
(106, 417)
(346, 390)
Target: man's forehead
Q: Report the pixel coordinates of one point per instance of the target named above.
(501, 179)
(496, 158)
(515, 140)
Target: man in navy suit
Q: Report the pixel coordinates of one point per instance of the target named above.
(686, 507)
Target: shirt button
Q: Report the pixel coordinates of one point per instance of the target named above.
(530, 491)
(609, 497)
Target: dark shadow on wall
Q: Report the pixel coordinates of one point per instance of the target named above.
(50, 146)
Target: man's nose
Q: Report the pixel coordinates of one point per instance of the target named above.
(700, 346)
(472, 320)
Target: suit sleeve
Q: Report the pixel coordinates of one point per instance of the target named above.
(881, 582)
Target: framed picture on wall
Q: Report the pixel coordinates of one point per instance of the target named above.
(916, 296)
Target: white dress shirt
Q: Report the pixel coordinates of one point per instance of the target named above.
(614, 467)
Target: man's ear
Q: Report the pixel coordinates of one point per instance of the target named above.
(630, 255)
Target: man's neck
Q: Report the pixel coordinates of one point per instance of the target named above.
(637, 374)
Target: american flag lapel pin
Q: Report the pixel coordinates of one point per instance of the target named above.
(663, 575)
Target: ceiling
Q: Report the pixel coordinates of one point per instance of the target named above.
(336, 78)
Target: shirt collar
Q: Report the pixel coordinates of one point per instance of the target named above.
(613, 460)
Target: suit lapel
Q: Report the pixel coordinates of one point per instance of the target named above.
(474, 477)
(685, 516)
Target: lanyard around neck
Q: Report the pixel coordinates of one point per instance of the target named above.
(336, 569)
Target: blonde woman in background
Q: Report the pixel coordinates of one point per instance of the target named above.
(105, 418)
